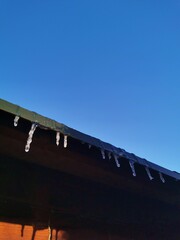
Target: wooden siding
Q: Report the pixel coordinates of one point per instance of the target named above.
(10, 231)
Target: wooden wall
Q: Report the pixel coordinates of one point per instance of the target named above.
(9, 231)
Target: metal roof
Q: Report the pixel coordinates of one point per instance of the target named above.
(45, 122)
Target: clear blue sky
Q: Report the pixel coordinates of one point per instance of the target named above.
(108, 68)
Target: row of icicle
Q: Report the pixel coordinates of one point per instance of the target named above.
(58, 137)
(31, 132)
(131, 163)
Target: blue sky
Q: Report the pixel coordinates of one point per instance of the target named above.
(108, 68)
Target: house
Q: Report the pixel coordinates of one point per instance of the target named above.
(58, 183)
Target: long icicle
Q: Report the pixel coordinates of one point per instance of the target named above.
(116, 160)
(65, 141)
(16, 119)
(131, 163)
(103, 153)
(161, 177)
(148, 173)
(58, 136)
(50, 233)
(29, 140)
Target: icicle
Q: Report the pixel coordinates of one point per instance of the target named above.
(103, 154)
(29, 140)
(131, 163)
(16, 119)
(116, 160)
(148, 173)
(58, 136)
(89, 146)
(22, 230)
(50, 233)
(109, 155)
(65, 141)
(161, 177)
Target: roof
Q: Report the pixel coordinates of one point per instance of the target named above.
(106, 149)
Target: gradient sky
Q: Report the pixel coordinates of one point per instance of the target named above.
(108, 68)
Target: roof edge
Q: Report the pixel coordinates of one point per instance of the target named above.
(65, 130)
